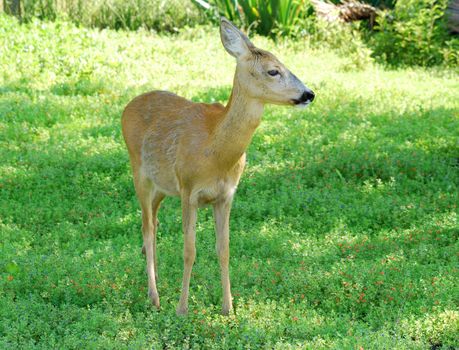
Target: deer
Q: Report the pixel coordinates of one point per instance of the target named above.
(197, 151)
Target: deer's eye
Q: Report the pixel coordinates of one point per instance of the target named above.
(273, 72)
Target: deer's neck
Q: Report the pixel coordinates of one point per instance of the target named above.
(233, 134)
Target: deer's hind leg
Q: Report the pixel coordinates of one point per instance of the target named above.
(149, 200)
(157, 198)
(189, 216)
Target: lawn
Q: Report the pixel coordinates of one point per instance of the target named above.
(344, 230)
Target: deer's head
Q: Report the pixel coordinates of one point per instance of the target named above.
(260, 73)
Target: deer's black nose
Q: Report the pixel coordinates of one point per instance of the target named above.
(308, 96)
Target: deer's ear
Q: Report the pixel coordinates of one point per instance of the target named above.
(235, 42)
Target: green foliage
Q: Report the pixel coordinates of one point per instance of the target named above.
(226, 8)
(344, 230)
(347, 41)
(292, 19)
(441, 329)
(414, 33)
(270, 18)
(117, 14)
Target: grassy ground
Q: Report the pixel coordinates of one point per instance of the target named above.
(344, 232)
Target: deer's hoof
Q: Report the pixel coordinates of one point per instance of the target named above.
(182, 310)
(226, 310)
(154, 298)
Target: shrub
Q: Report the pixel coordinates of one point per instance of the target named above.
(270, 18)
(415, 33)
(346, 40)
(295, 19)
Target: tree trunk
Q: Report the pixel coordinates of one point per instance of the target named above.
(346, 11)
(12, 7)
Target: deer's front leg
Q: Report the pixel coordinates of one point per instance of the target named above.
(189, 212)
(221, 215)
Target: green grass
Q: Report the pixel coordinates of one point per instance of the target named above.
(344, 232)
(158, 15)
